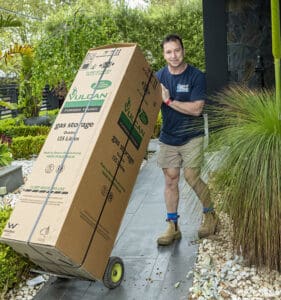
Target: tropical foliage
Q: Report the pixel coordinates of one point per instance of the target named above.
(28, 13)
(60, 35)
(28, 103)
(68, 34)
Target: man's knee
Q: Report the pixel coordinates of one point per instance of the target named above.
(192, 176)
(171, 177)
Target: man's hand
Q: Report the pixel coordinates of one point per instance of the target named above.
(165, 93)
(193, 108)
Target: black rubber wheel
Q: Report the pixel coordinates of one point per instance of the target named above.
(114, 272)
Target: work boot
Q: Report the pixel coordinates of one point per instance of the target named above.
(172, 233)
(209, 225)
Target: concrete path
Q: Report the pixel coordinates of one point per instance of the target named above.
(151, 272)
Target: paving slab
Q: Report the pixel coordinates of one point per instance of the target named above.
(151, 271)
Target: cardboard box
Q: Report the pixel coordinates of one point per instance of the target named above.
(72, 205)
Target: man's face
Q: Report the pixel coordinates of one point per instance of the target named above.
(173, 53)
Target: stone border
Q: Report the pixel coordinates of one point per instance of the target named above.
(11, 177)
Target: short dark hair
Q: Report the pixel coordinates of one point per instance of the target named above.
(172, 38)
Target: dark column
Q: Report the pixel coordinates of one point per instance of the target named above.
(215, 41)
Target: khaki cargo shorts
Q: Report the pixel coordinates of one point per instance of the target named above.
(189, 155)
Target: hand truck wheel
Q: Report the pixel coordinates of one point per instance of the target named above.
(114, 272)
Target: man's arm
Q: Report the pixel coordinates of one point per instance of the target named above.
(193, 108)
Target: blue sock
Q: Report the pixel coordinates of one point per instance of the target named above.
(173, 217)
(208, 209)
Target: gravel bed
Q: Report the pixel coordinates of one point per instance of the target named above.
(26, 290)
(217, 274)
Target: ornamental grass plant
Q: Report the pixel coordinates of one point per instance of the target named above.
(246, 124)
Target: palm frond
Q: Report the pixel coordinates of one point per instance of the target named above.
(26, 51)
(9, 21)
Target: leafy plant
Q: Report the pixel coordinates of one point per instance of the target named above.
(28, 102)
(5, 155)
(13, 265)
(27, 146)
(11, 122)
(4, 139)
(9, 21)
(24, 130)
(68, 34)
(247, 124)
(8, 104)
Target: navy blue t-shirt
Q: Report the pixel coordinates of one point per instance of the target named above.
(178, 128)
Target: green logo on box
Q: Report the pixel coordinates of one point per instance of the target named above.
(143, 117)
(102, 84)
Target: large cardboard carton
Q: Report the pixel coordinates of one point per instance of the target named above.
(72, 205)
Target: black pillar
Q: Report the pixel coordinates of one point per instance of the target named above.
(215, 42)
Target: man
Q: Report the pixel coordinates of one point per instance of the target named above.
(181, 136)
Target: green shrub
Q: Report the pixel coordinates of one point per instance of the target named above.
(73, 31)
(24, 130)
(10, 122)
(17, 121)
(13, 265)
(25, 147)
(5, 155)
(52, 114)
